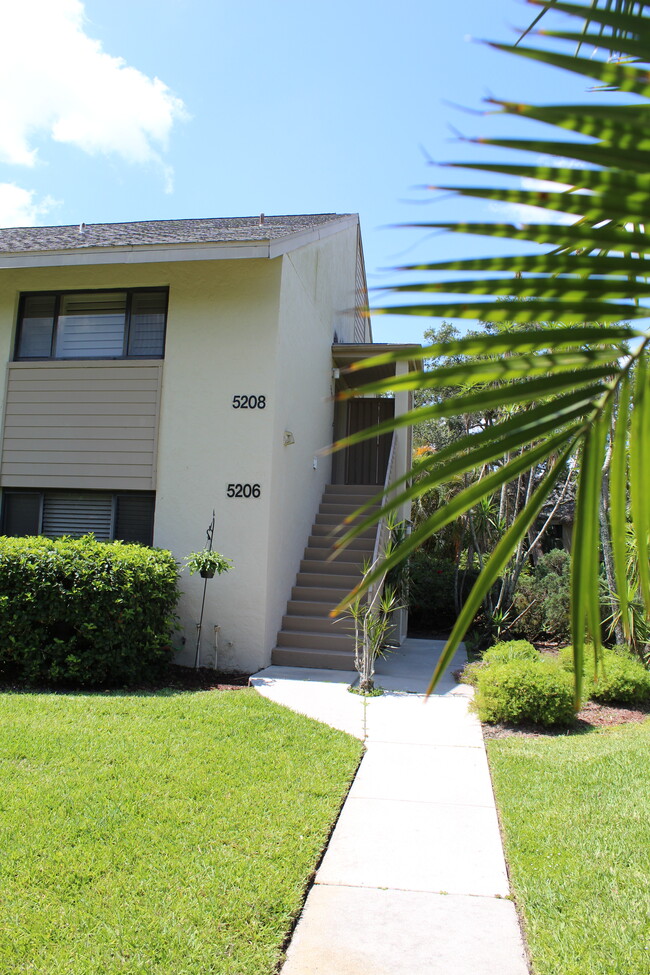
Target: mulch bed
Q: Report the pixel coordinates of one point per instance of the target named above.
(177, 679)
(205, 679)
(590, 716)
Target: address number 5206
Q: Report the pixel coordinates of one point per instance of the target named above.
(243, 491)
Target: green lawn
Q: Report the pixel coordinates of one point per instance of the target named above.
(576, 821)
(159, 833)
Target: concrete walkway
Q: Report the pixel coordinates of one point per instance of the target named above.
(413, 880)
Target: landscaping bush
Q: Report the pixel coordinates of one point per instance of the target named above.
(83, 612)
(622, 679)
(471, 671)
(507, 650)
(525, 690)
(431, 591)
(543, 598)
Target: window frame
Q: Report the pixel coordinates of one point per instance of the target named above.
(58, 295)
(42, 492)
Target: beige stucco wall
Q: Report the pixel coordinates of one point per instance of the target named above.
(317, 299)
(221, 338)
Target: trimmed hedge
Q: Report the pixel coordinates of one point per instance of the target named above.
(83, 612)
(507, 650)
(525, 690)
(622, 679)
(500, 653)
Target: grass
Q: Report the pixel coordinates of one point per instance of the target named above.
(166, 833)
(577, 837)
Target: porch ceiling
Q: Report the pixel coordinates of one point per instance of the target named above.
(343, 355)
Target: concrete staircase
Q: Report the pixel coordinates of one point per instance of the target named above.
(309, 637)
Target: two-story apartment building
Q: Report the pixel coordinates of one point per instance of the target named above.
(159, 371)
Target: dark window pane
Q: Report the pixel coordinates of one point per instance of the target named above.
(78, 514)
(35, 335)
(91, 325)
(134, 522)
(21, 514)
(147, 332)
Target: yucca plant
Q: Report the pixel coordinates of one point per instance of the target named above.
(588, 284)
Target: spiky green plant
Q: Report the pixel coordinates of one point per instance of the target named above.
(591, 281)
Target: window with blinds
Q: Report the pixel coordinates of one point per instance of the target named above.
(109, 517)
(77, 514)
(93, 325)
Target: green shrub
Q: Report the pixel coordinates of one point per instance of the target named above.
(507, 650)
(471, 671)
(83, 612)
(525, 690)
(543, 598)
(622, 679)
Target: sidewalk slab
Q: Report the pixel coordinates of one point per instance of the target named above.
(413, 719)
(352, 931)
(424, 773)
(421, 846)
(326, 699)
(414, 879)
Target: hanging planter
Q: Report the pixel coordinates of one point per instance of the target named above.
(207, 563)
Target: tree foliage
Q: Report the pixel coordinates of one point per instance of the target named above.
(590, 277)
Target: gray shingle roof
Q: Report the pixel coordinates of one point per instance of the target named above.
(156, 232)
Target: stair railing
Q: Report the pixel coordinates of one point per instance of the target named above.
(383, 533)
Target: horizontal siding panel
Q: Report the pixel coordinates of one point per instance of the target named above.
(65, 371)
(20, 445)
(85, 426)
(90, 470)
(23, 422)
(81, 396)
(73, 455)
(118, 409)
(104, 482)
(86, 385)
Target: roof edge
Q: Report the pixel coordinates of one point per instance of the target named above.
(163, 253)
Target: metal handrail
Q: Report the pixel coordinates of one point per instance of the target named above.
(382, 534)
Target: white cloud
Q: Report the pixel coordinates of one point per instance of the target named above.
(57, 81)
(521, 213)
(18, 208)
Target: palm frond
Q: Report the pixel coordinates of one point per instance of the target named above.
(571, 375)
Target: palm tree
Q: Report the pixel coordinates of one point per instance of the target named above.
(589, 279)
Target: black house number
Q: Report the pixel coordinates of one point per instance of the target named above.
(249, 402)
(243, 491)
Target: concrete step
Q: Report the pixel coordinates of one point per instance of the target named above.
(337, 567)
(343, 642)
(328, 580)
(330, 526)
(352, 488)
(314, 608)
(335, 521)
(331, 595)
(318, 624)
(365, 544)
(309, 637)
(307, 657)
(343, 509)
(350, 554)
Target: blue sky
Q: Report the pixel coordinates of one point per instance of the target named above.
(155, 109)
